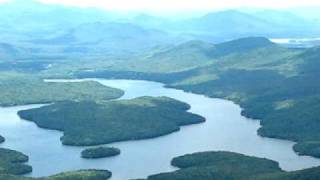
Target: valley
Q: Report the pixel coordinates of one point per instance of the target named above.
(95, 92)
(269, 86)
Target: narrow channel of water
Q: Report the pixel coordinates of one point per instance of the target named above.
(225, 129)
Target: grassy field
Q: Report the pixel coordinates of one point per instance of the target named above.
(91, 123)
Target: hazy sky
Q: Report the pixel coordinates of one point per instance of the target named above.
(182, 5)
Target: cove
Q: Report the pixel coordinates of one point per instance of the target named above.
(224, 129)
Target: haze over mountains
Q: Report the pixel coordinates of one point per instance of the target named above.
(233, 54)
(48, 28)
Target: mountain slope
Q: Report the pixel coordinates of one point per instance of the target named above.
(274, 84)
(232, 24)
(106, 37)
(286, 103)
(193, 54)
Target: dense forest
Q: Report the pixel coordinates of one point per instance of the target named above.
(12, 162)
(99, 152)
(223, 165)
(91, 123)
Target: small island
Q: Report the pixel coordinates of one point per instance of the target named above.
(12, 166)
(100, 152)
(90, 174)
(2, 139)
(12, 162)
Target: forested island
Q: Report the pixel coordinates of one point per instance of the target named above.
(222, 165)
(99, 152)
(91, 123)
(81, 175)
(12, 162)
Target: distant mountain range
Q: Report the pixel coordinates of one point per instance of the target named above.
(231, 24)
(56, 29)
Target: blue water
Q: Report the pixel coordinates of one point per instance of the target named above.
(225, 129)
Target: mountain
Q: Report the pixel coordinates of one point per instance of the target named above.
(107, 37)
(10, 52)
(66, 31)
(195, 54)
(232, 24)
(57, 29)
(183, 56)
(311, 13)
(149, 21)
(22, 20)
(283, 18)
(227, 20)
(29, 14)
(243, 45)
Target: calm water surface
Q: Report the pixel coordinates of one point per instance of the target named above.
(225, 129)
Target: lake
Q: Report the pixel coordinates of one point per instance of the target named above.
(297, 42)
(224, 129)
